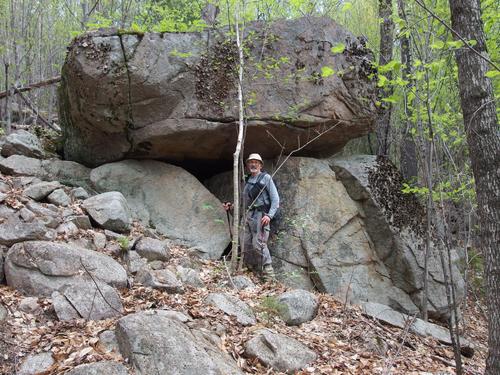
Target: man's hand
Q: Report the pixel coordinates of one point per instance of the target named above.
(227, 206)
(265, 220)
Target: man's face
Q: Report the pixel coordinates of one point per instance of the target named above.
(254, 166)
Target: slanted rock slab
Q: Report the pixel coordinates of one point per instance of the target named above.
(233, 306)
(13, 231)
(299, 306)
(39, 268)
(155, 343)
(22, 142)
(88, 300)
(278, 351)
(418, 326)
(110, 210)
(41, 190)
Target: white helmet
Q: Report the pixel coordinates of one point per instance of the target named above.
(255, 157)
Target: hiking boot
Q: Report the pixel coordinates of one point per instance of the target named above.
(268, 273)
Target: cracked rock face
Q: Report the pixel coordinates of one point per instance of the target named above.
(395, 223)
(167, 96)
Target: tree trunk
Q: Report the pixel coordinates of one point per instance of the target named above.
(408, 149)
(483, 140)
(386, 43)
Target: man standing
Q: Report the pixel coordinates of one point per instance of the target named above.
(260, 201)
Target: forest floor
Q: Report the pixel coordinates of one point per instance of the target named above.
(347, 342)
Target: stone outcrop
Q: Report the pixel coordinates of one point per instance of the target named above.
(155, 342)
(321, 242)
(154, 96)
(395, 223)
(171, 200)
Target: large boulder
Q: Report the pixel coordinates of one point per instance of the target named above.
(173, 96)
(39, 268)
(156, 343)
(396, 225)
(171, 200)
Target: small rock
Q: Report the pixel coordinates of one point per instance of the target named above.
(243, 282)
(49, 221)
(161, 279)
(110, 235)
(79, 193)
(232, 306)
(2, 197)
(189, 277)
(35, 364)
(135, 262)
(152, 249)
(114, 248)
(29, 305)
(41, 190)
(4, 188)
(299, 306)
(43, 209)
(26, 215)
(3, 313)
(278, 351)
(110, 210)
(81, 221)
(59, 198)
(67, 229)
(5, 211)
(107, 339)
(99, 240)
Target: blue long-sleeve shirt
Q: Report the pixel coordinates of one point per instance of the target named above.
(268, 198)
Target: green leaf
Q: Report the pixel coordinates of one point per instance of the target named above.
(455, 44)
(347, 6)
(391, 99)
(338, 48)
(492, 74)
(326, 71)
(439, 44)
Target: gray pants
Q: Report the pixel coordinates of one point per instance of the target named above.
(255, 251)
